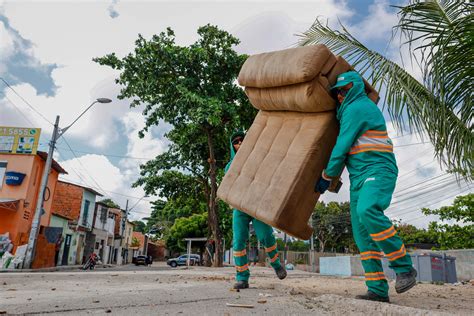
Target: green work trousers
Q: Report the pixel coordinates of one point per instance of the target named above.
(240, 226)
(374, 233)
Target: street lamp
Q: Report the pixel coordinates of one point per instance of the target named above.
(57, 133)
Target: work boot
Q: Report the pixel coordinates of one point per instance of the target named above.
(240, 285)
(405, 281)
(371, 296)
(280, 272)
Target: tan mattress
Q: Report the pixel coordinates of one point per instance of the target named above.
(309, 96)
(286, 67)
(273, 174)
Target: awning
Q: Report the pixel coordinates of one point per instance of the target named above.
(9, 204)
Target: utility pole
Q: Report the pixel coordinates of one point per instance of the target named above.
(285, 253)
(312, 245)
(124, 225)
(30, 251)
(57, 132)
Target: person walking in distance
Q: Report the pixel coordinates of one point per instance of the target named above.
(364, 147)
(240, 226)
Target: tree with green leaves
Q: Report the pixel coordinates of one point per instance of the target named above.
(186, 227)
(459, 235)
(193, 89)
(332, 226)
(139, 226)
(413, 235)
(110, 203)
(441, 32)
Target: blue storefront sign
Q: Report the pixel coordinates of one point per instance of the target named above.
(14, 178)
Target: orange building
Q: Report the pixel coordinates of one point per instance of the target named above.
(18, 197)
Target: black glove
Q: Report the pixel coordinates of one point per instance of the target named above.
(322, 184)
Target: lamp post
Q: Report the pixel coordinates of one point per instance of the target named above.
(57, 133)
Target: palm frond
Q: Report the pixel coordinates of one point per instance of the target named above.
(408, 101)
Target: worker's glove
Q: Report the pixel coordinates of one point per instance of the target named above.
(322, 184)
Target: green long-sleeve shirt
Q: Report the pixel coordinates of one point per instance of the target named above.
(363, 144)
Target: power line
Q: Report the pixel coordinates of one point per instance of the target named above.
(110, 155)
(344, 217)
(409, 172)
(411, 144)
(26, 102)
(422, 205)
(411, 186)
(416, 154)
(92, 178)
(83, 181)
(435, 192)
(17, 108)
(419, 189)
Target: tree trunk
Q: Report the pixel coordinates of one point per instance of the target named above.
(213, 216)
(322, 244)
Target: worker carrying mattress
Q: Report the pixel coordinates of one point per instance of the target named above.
(289, 143)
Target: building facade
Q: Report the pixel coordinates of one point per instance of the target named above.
(18, 198)
(103, 229)
(75, 205)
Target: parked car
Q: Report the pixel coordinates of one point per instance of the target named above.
(181, 260)
(142, 260)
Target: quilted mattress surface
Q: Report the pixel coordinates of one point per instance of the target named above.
(289, 143)
(272, 176)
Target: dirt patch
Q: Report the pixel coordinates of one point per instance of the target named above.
(423, 297)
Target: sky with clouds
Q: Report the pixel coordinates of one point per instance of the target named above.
(46, 51)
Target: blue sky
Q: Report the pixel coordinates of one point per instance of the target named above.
(46, 51)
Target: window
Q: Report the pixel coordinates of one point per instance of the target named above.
(103, 214)
(3, 169)
(86, 212)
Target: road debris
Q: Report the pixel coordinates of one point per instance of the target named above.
(265, 294)
(293, 291)
(239, 305)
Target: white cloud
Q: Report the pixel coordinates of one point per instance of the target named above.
(378, 24)
(147, 147)
(6, 44)
(71, 33)
(97, 172)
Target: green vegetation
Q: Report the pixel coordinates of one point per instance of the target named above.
(193, 90)
(332, 227)
(110, 203)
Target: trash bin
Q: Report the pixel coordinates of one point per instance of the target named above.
(431, 267)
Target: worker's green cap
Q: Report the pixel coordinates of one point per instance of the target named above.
(345, 78)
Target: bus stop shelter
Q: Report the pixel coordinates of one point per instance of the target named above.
(189, 242)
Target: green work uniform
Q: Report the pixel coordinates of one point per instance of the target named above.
(240, 227)
(364, 147)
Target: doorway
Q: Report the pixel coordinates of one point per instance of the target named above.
(67, 246)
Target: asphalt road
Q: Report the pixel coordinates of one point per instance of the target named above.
(160, 290)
